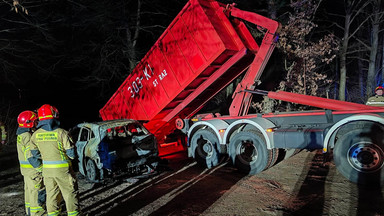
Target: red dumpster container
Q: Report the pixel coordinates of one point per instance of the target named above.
(198, 55)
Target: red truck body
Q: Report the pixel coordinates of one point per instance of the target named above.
(198, 55)
(204, 49)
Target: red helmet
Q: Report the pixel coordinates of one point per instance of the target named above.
(27, 119)
(47, 112)
(379, 88)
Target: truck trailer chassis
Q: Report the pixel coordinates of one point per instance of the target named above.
(204, 49)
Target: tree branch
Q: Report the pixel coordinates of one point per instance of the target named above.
(136, 34)
(358, 11)
(358, 28)
(359, 58)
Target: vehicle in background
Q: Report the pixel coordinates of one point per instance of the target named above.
(115, 147)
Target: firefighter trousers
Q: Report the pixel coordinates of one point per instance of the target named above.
(33, 188)
(62, 187)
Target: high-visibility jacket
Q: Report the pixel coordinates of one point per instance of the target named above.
(23, 150)
(3, 133)
(33, 180)
(53, 146)
(375, 101)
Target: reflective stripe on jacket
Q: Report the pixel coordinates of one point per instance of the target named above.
(56, 164)
(375, 101)
(52, 146)
(23, 151)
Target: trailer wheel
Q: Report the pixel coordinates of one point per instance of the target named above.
(92, 172)
(206, 148)
(359, 157)
(249, 152)
(274, 156)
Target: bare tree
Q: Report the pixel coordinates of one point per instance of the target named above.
(363, 47)
(382, 60)
(353, 9)
(272, 9)
(126, 30)
(376, 18)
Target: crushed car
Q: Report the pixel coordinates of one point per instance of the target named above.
(115, 147)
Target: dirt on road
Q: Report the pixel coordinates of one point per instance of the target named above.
(300, 185)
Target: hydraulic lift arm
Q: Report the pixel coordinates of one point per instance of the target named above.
(242, 99)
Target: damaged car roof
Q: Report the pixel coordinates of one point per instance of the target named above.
(107, 124)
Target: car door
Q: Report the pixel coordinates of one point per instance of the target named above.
(82, 141)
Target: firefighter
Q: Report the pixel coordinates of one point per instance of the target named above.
(54, 145)
(378, 99)
(33, 179)
(3, 134)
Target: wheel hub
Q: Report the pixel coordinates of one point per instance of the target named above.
(247, 152)
(366, 157)
(206, 147)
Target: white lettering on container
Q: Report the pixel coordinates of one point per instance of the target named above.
(163, 74)
(136, 85)
(155, 83)
(145, 71)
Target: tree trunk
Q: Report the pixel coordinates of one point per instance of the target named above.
(272, 9)
(382, 62)
(132, 39)
(361, 78)
(343, 58)
(131, 51)
(136, 35)
(373, 52)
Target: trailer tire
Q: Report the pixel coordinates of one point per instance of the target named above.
(274, 157)
(206, 144)
(91, 171)
(249, 152)
(359, 156)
